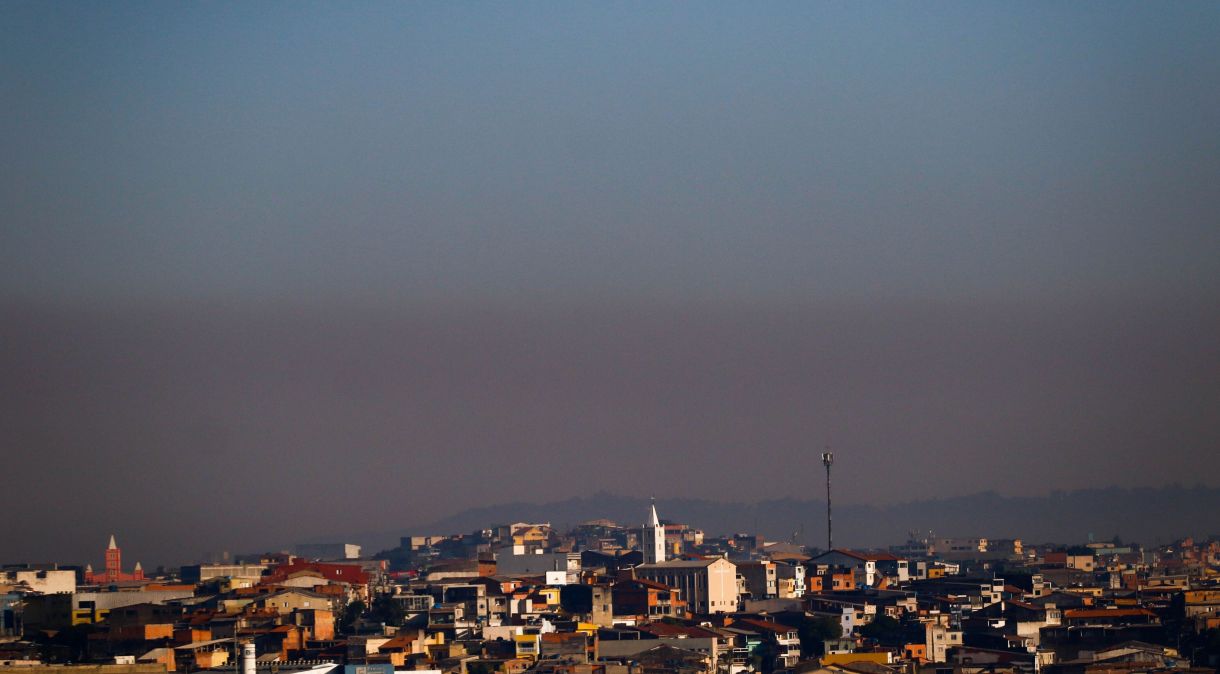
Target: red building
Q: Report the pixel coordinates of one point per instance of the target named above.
(335, 573)
(114, 568)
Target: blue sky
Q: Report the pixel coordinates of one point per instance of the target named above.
(972, 245)
(406, 151)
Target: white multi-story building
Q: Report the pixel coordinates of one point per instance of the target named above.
(791, 583)
(939, 637)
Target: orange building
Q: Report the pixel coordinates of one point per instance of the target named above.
(646, 598)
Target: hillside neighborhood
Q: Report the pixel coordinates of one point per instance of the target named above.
(604, 597)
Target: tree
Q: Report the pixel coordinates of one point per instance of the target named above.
(70, 644)
(388, 611)
(886, 630)
(349, 614)
(816, 629)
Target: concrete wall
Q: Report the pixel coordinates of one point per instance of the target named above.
(90, 669)
(528, 564)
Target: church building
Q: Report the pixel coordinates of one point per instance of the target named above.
(114, 568)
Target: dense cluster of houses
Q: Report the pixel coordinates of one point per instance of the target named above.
(663, 597)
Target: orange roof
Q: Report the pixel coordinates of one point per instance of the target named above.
(844, 551)
(560, 637)
(1107, 613)
(336, 590)
(400, 641)
(762, 624)
(667, 630)
(880, 557)
(645, 583)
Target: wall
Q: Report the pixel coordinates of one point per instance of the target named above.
(722, 586)
(95, 669)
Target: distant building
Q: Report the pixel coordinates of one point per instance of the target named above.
(862, 567)
(328, 550)
(526, 538)
(791, 579)
(963, 549)
(759, 578)
(114, 568)
(539, 564)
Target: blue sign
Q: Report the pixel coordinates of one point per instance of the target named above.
(375, 668)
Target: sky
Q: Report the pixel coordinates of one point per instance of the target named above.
(278, 270)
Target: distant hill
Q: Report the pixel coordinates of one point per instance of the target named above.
(1146, 515)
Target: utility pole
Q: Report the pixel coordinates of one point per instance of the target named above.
(828, 458)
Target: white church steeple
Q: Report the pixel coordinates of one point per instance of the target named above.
(653, 538)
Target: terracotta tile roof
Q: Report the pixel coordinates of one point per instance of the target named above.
(560, 637)
(671, 630)
(645, 583)
(880, 556)
(848, 553)
(764, 625)
(342, 573)
(398, 642)
(1086, 613)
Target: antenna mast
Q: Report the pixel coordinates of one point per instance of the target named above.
(828, 458)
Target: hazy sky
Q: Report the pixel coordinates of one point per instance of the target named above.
(270, 270)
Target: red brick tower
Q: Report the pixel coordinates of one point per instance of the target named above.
(114, 561)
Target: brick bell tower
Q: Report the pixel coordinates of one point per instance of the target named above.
(114, 561)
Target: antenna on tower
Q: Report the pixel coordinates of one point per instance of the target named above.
(828, 458)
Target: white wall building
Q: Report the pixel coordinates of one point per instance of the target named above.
(707, 585)
(44, 581)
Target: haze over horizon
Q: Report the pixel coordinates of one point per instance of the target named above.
(295, 268)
